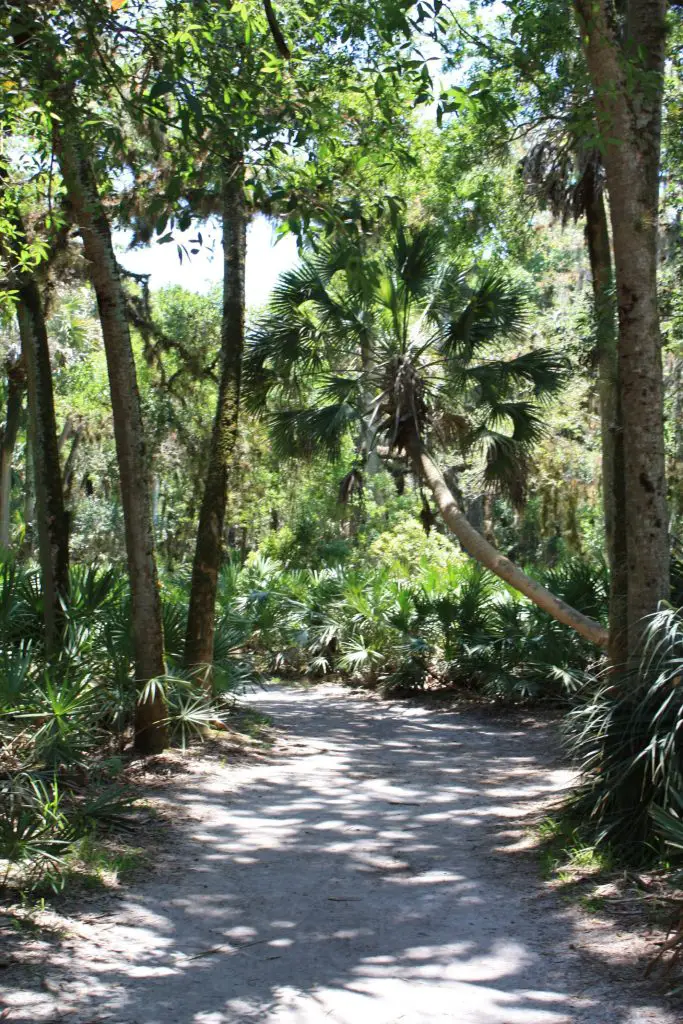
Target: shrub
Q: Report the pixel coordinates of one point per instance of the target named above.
(406, 546)
(62, 719)
(444, 620)
(627, 738)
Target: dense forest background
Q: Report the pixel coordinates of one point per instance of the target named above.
(445, 452)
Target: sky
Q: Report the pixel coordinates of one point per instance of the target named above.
(265, 260)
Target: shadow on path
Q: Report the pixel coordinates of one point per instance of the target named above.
(371, 872)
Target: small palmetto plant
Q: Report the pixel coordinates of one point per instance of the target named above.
(35, 833)
(627, 738)
(191, 711)
(61, 717)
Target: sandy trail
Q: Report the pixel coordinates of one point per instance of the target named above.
(372, 870)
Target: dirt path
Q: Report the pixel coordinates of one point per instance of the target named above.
(372, 870)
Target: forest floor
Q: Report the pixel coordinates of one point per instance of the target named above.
(375, 863)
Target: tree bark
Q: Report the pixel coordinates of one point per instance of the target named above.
(627, 80)
(16, 385)
(151, 733)
(614, 492)
(480, 549)
(201, 621)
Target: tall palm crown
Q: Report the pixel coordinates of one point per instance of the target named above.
(395, 343)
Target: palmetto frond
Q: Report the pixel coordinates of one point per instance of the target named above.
(310, 279)
(334, 387)
(416, 260)
(507, 455)
(300, 433)
(280, 353)
(543, 371)
(306, 327)
(496, 310)
(527, 426)
(506, 466)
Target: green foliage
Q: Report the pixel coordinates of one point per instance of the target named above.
(407, 611)
(430, 291)
(495, 641)
(405, 546)
(625, 734)
(64, 719)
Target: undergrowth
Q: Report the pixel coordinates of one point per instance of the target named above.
(66, 718)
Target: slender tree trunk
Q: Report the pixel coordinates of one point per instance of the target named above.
(201, 620)
(480, 549)
(70, 462)
(151, 733)
(29, 503)
(627, 83)
(16, 385)
(53, 534)
(614, 495)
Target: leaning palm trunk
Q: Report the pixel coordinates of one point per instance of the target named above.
(614, 496)
(201, 620)
(16, 385)
(480, 549)
(151, 734)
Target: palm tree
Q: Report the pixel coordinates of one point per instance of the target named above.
(409, 353)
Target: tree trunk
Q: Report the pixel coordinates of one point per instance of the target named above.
(16, 385)
(628, 84)
(70, 462)
(614, 494)
(29, 503)
(201, 621)
(53, 534)
(151, 733)
(480, 549)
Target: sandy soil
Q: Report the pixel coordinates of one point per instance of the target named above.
(374, 868)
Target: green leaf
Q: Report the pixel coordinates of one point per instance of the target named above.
(160, 88)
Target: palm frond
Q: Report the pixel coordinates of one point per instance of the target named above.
(496, 310)
(506, 467)
(335, 387)
(543, 371)
(300, 433)
(527, 426)
(308, 280)
(416, 259)
(281, 351)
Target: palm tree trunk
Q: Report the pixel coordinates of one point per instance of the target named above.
(151, 733)
(613, 487)
(53, 536)
(627, 82)
(16, 385)
(480, 549)
(201, 620)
